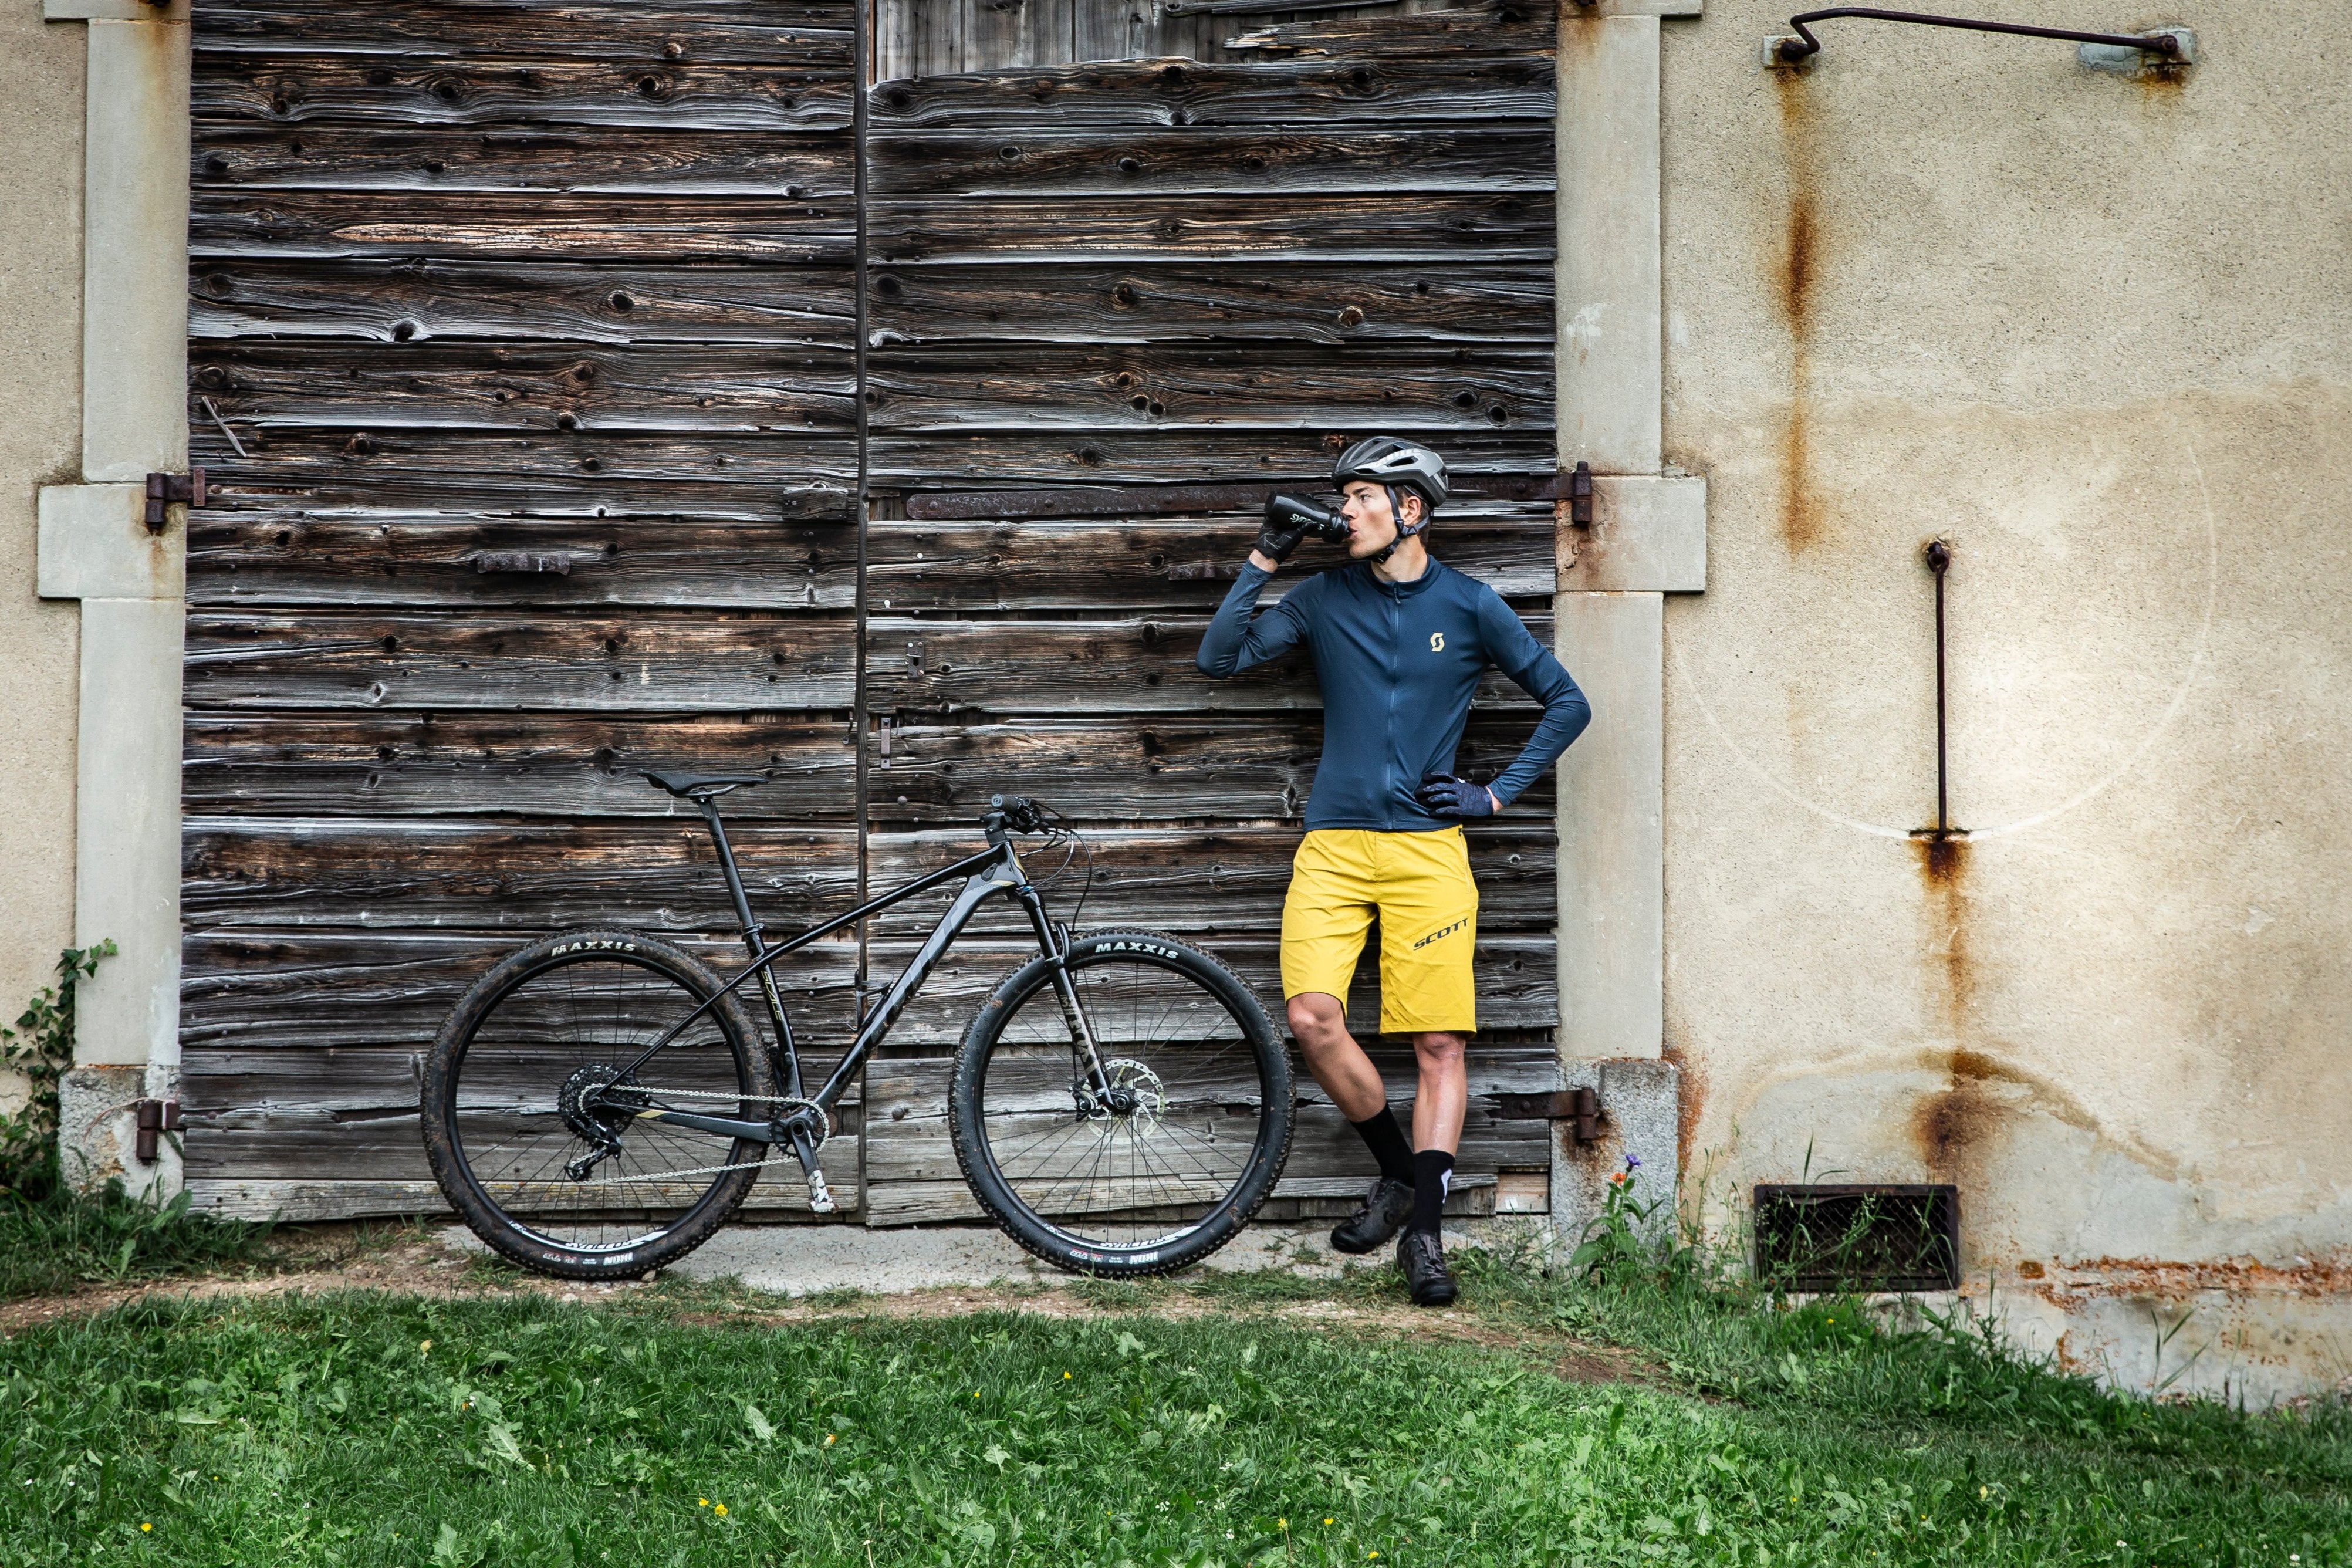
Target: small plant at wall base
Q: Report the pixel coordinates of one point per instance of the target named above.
(41, 1048)
(51, 1237)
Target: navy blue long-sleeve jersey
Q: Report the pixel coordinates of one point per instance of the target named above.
(1398, 662)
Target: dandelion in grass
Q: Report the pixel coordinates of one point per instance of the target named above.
(719, 1509)
(702, 1502)
(144, 1527)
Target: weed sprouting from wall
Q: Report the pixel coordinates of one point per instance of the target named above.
(41, 1048)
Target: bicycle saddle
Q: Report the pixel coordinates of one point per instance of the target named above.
(692, 786)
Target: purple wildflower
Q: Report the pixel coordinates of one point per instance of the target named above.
(1632, 1161)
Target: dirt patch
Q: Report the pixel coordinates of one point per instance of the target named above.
(422, 1266)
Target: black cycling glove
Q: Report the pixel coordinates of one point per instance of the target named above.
(1287, 521)
(1442, 794)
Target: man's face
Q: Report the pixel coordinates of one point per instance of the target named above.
(1371, 522)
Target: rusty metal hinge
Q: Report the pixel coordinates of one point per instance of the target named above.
(1580, 1108)
(163, 489)
(156, 1118)
(1580, 496)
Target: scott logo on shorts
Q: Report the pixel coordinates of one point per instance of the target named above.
(1446, 932)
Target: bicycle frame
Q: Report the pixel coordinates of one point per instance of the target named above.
(996, 869)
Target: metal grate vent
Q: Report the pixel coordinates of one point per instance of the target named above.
(1866, 1236)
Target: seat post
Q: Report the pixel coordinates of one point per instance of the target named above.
(734, 878)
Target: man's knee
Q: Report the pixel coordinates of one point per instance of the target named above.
(1439, 1053)
(1316, 1019)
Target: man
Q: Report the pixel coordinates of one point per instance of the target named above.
(1399, 642)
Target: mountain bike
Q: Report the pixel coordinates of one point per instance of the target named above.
(599, 1103)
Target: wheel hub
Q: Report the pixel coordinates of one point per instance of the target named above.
(1134, 1092)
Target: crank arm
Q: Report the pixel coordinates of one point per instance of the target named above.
(819, 1195)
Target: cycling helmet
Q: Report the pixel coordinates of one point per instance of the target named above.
(1395, 465)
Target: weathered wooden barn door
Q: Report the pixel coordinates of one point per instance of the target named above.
(524, 358)
(1090, 285)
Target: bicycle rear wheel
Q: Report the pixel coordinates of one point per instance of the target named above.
(1171, 1163)
(553, 1150)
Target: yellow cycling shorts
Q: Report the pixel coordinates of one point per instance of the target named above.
(1419, 884)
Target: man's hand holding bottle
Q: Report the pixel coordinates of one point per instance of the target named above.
(1288, 521)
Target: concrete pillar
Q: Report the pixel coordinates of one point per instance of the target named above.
(1647, 537)
(96, 547)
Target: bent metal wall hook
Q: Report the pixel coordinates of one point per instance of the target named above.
(2169, 44)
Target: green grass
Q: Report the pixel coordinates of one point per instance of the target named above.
(367, 1429)
(53, 1239)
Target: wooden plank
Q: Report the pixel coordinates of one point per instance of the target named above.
(912, 1174)
(1178, 386)
(1320, 302)
(1149, 92)
(306, 1201)
(1291, 159)
(284, 87)
(496, 31)
(560, 766)
(1364, 226)
(522, 302)
(378, 471)
(265, 561)
(1131, 666)
(450, 160)
(1517, 972)
(963, 459)
(1463, 32)
(521, 225)
(339, 1018)
(708, 661)
(1152, 564)
(1224, 879)
(272, 873)
(473, 385)
(1166, 770)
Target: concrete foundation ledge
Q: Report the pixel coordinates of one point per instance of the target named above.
(98, 1130)
(1641, 1109)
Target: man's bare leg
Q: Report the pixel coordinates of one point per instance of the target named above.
(1320, 1026)
(1444, 1097)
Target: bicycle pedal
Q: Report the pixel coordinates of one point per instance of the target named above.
(819, 1195)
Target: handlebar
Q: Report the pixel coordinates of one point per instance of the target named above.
(1016, 812)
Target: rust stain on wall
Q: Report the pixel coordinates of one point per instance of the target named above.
(1691, 1101)
(1943, 873)
(1799, 264)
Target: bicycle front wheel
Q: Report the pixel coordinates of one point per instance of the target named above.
(1165, 1163)
(553, 1142)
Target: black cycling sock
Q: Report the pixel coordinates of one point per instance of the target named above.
(1433, 1173)
(1385, 1139)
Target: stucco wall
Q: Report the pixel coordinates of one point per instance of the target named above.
(40, 443)
(2097, 333)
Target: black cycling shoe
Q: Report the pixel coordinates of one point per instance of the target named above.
(1421, 1255)
(1385, 1209)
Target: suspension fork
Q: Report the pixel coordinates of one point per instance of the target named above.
(1092, 1077)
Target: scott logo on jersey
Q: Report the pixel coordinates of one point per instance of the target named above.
(1437, 642)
